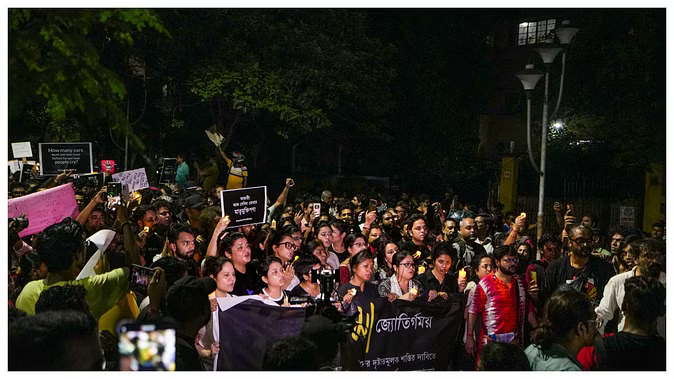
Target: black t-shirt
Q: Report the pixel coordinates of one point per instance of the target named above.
(630, 352)
(412, 249)
(153, 246)
(340, 256)
(362, 298)
(246, 284)
(187, 357)
(430, 282)
(560, 271)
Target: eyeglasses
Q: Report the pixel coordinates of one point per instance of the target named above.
(580, 241)
(512, 260)
(408, 264)
(289, 245)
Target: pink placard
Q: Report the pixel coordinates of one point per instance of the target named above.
(44, 208)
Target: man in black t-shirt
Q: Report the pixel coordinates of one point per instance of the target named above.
(593, 272)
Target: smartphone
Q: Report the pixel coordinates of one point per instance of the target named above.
(317, 210)
(372, 206)
(533, 277)
(147, 347)
(140, 277)
(114, 190)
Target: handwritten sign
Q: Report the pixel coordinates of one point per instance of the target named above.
(132, 180)
(44, 208)
(22, 150)
(244, 206)
(168, 170)
(56, 157)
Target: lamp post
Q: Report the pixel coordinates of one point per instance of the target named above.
(529, 78)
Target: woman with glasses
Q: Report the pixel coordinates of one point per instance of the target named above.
(569, 324)
(282, 246)
(386, 248)
(401, 285)
(353, 243)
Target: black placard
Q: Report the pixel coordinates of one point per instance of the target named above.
(91, 180)
(168, 170)
(25, 172)
(245, 206)
(56, 157)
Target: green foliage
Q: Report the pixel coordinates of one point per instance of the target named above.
(297, 65)
(55, 61)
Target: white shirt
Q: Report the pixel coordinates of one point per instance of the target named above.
(614, 294)
(333, 260)
(488, 246)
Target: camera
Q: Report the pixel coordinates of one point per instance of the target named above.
(328, 279)
(20, 223)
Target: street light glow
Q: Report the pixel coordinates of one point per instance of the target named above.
(558, 125)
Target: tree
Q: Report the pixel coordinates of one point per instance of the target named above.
(306, 68)
(55, 64)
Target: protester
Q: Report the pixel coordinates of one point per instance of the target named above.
(304, 265)
(272, 280)
(587, 272)
(181, 243)
(417, 229)
(55, 341)
(281, 245)
(235, 247)
(466, 245)
(438, 282)
(339, 232)
(353, 243)
(386, 248)
(568, 325)
(637, 347)
(359, 289)
(481, 266)
(494, 298)
(222, 271)
(499, 356)
(291, 353)
(614, 293)
(401, 285)
(182, 171)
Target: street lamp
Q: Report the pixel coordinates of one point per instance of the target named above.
(529, 78)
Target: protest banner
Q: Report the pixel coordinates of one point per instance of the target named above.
(132, 180)
(56, 157)
(168, 170)
(401, 335)
(249, 328)
(22, 150)
(244, 206)
(44, 208)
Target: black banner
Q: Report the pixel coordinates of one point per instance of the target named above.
(89, 180)
(388, 336)
(249, 328)
(57, 157)
(406, 335)
(244, 206)
(168, 170)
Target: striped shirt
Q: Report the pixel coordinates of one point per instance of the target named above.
(495, 300)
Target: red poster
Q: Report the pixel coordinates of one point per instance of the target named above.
(108, 166)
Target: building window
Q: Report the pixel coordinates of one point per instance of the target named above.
(534, 32)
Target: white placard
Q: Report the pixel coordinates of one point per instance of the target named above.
(22, 150)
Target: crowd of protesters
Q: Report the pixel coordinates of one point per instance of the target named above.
(578, 298)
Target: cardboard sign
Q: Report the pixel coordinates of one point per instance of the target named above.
(44, 208)
(22, 150)
(15, 165)
(108, 166)
(244, 206)
(102, 240)
(168, 170)
(132, 180)
(56, 157)
(627, 215)
(26, 171)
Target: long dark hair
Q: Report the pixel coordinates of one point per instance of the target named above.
(381, 243)
(561, 313)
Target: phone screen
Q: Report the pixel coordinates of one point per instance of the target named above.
(317, 210)
(140, 278)
(114, 190)
(373, 205)
(147, 347)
